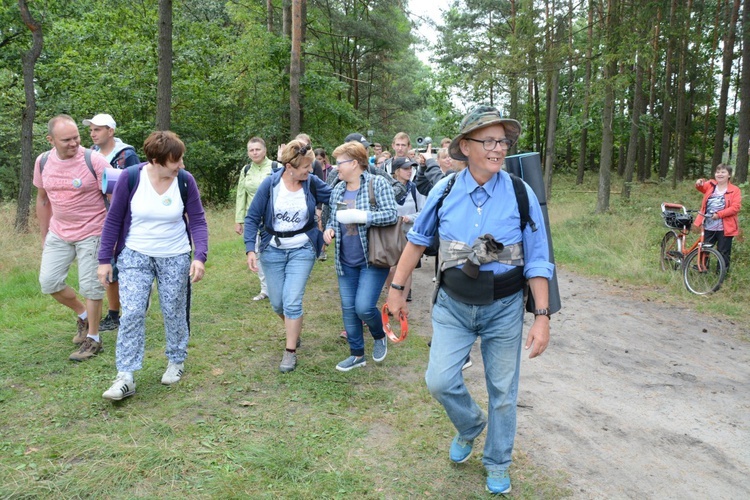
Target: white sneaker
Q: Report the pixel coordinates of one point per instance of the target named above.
(123, 387)
(173, 374)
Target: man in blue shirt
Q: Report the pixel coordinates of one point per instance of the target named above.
(486, 258)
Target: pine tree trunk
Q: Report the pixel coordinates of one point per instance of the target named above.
(634, 128)
(295, 69)
(726, 75)
(740, 172)
(587, 97)
(666, 118)
(164, 78)
(608, 110)
(680, 122)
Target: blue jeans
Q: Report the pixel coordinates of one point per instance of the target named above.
(287, 272)
(455, 328)
(360, 288)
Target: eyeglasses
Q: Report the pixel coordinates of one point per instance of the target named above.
(489, 144)
(344, 162)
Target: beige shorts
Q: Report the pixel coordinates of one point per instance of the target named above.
(57, 257)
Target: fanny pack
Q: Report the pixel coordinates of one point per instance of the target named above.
(485, 289)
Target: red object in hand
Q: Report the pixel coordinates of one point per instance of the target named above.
(387, 325)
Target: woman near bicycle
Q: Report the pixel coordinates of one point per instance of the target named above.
(723, 200)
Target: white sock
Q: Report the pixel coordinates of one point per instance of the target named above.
(125, 375)
(95, 337)
(84, 315)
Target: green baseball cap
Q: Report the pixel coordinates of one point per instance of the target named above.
(480, 117)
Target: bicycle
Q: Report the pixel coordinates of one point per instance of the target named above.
(703, 267)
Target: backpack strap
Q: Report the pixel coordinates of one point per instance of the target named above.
(133, 173)
(522, 199)
(274, 167)
(371, 191)
(43, 160)
(182, 184)
(87, 158)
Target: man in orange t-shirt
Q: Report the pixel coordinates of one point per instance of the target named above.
(71, 212)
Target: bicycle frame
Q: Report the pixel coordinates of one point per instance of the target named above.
(683, 232)
(702, 266)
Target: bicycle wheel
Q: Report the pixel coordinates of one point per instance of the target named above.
(671, 258)
(704, 270)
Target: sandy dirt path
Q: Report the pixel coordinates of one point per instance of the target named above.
(633, 398)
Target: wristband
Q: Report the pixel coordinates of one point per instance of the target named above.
(398, 287)
(542, 312)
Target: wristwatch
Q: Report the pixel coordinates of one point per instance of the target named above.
(398, 287)
(542, 312)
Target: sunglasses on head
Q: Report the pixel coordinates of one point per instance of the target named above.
(302, 151)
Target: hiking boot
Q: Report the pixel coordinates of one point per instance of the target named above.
(173, 374)
(109, 323)
(89, 348)
(123, 387)
(498, 482)
(460, 449)
(379, 350)
(82, 330)
(467, 363)
(350, 363)
(288, 362)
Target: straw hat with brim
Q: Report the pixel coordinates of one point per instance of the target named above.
(480, 117)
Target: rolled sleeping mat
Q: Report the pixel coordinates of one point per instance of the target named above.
(528, 166)
(109, 179)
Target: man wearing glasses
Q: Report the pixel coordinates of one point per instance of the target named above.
(486, 258)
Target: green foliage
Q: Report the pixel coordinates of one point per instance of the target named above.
(230, 79)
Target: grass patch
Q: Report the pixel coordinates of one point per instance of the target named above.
(236, 427)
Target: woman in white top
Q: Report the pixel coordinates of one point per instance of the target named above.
(290, 240)
(155, 216)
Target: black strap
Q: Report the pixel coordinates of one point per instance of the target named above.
(274, 167)
(288, 234)
(522, 199)
(135, 170)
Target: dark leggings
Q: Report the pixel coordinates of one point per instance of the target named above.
(723, 243)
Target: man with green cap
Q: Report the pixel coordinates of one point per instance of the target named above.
(486, 258)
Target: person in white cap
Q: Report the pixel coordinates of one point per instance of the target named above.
(102, 131)
(119, 155)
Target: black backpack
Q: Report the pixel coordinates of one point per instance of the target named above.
(522, 199)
